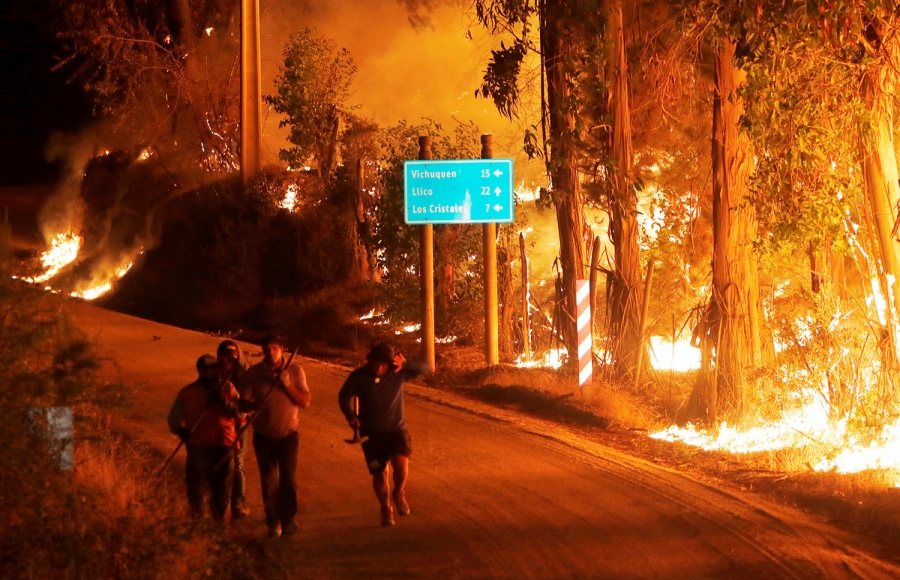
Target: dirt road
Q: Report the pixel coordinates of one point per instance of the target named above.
(493, 494)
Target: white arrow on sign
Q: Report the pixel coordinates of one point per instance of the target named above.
(498, 191)
(498, 207)
(497, 173)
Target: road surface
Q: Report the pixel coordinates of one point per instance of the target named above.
(494, 494)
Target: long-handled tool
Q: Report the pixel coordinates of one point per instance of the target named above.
(356, 437)
(193, 428)
(249, 422)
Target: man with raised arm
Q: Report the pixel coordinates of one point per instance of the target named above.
(275, 394)
(378, 388)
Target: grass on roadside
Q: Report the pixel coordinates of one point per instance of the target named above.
(108, 516)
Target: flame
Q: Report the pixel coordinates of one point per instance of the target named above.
(802, 427)
(408, 328)
(290, 198)
(553, 359)
(100, 289)
(63, 251)
(678, 356)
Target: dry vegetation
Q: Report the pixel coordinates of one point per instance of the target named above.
(108, 516)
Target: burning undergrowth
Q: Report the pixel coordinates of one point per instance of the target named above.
(828, 405)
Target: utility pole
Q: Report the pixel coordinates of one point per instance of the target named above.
(251, 124)
(489, 242)
(426, 272)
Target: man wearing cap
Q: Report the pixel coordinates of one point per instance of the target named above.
(203, 416)
(232, 366)
(378, 388)
(275, 394)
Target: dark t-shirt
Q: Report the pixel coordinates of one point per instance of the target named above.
(380, 400)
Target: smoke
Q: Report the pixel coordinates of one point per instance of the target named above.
(415, 57)
(63, 211)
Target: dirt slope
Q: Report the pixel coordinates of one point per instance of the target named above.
(494, 494)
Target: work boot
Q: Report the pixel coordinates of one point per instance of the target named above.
(387, 516)
(400, 502)
(290, 529)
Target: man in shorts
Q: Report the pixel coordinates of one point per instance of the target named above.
(378, 389)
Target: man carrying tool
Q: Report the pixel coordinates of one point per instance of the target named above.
(232, 366)
(378, 389)
(274, 391)
(203, 416)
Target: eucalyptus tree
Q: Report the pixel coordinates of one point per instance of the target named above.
(312, 89)
(729, 330)
(586, 39)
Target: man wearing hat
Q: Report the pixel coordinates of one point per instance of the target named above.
(378, 388)
(203, 416)
(275, 394)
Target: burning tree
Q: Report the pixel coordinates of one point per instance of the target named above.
(162, 75)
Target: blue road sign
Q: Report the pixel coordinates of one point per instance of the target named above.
(458, 191)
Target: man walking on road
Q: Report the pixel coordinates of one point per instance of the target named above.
(378, 388)
(203, 416)
(233, 365)
(275, 394)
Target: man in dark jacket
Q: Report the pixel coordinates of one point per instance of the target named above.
(203, 416)
(378, 388)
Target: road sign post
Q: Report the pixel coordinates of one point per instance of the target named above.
(489, 241)
(426, 273)
(460, 191)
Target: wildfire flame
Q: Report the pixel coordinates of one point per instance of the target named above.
(63, 251)
(102, 288)
(290, 198)
(802, 427)
(678, 356)
(553, 359)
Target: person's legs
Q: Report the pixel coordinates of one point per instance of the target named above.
(267, 459)
(237, 483)
(220, 491)
(195, 479)
(400, 465)
(376, 454)
(381, 485)
(286, 504)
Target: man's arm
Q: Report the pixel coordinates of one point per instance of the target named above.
(345, 398)
(176, 415)
(294, 385)
(412, 368)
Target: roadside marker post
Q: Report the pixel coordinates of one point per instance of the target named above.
(585, 335)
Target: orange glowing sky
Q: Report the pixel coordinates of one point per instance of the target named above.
(403, 73)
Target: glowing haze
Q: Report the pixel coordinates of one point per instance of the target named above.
(403, 72)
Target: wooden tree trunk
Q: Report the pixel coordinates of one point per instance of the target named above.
(507, 299)
(879, 167)
(564, 176)
(731, 327)
(624, 307)
(360, 236)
